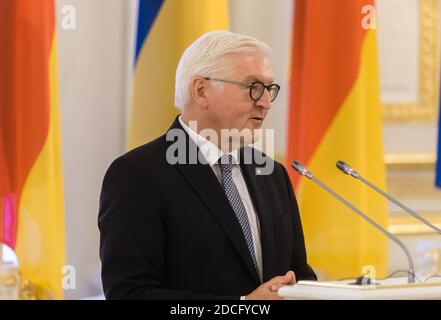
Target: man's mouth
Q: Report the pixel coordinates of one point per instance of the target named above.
(257, 118)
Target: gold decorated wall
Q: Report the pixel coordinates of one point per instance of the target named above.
(409, 41)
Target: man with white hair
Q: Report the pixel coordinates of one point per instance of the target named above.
(192, 215)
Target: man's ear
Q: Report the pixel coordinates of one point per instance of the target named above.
(198, 88)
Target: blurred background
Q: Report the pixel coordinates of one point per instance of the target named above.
(115, 91)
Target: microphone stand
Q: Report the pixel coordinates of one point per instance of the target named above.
(347, 169)
(301, 169)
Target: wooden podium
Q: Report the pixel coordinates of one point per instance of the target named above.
(390, 289)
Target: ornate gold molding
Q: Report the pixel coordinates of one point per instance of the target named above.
(31, 291)
(26, 290)
(426, 109)
(407, 225)
(410, 160)
(411, 177)
(8, 281)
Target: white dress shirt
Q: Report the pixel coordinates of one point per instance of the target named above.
(212, 154)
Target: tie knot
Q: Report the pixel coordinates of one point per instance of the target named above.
(226, 159)
(226, 163)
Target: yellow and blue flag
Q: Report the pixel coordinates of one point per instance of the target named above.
(164, 29)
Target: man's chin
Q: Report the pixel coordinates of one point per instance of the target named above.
(239, 138)
(255, 123)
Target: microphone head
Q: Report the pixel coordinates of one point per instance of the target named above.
(346, 168)
(342, 166)
(301, 169)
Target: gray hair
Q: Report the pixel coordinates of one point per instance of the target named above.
(205, 57)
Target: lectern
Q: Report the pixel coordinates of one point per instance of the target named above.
(390, 289)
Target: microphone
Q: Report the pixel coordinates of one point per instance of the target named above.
(302, 170)
(347, 169)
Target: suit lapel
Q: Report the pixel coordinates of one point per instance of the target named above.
(259, 195)
(204, 182)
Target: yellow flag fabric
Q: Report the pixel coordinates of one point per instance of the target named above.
(165, 29)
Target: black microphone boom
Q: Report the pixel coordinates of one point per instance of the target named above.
(346, 168)
(302, 170)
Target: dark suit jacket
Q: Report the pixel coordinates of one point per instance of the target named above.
(169, 232)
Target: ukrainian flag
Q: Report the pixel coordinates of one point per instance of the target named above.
(165, 29)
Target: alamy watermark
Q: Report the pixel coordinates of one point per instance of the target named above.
(179, 152)
(69, 281)
(370, 275)
(68, 17)
(369, 19)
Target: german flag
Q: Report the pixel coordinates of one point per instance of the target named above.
(335, 115)
(31, 189)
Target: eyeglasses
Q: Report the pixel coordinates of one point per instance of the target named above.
(257, 88)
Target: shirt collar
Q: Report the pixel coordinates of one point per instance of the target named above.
(208, 149)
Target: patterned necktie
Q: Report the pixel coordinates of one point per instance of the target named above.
(230, 189)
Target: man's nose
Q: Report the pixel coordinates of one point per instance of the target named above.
(265, 100)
